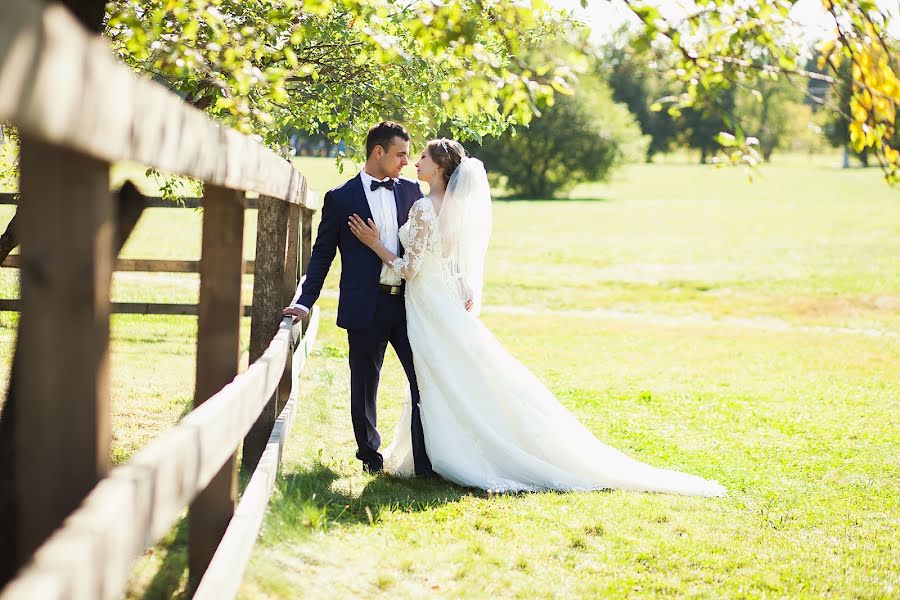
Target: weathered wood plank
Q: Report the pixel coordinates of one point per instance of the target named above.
(305, 347)
(268, 292)
(223, 578)
(64, 86)
(305, 248)
(146, 265)
(290, 278)
(90, 556)
(218, 353)
(129, 208)
(132, 308)
(67, 260)
(292, 254)
(152, 201)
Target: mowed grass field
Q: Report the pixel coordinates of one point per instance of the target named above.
(746, 332)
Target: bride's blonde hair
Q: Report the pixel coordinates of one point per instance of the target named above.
(447, 154)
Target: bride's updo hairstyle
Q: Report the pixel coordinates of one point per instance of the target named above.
(447, 154)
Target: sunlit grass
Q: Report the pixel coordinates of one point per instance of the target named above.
(793, 425)
(744, 332)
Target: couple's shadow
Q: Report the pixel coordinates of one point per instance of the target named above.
(309, 499)
(306, 501)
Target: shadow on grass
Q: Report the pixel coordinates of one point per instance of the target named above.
(304, 502)
(307, 501)
(171, 577)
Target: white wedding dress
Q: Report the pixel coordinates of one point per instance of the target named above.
(488, 422)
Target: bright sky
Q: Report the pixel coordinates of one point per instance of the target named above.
(605, 16)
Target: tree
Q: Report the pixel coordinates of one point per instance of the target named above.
(702, 125)
(580, 137)
(269, 65)
(766, 113)
(637, 81)
(839, 126)
(720, 43)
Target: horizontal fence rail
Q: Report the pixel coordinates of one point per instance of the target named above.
(144, 265)
(311, 201)
(135, 308)
(150, 201)
(223, 577)
(138, 503)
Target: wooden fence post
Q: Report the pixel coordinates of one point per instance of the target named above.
(62, 421)
(306, 248)
(268, 300)
(218, 352)
(291, 278)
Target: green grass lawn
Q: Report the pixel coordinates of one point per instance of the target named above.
(747, 332)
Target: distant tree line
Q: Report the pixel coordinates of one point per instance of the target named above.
(628, 105)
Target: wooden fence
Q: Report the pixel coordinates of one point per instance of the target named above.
(78, 525)
(142, 265)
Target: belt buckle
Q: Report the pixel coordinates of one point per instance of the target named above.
(395, 290)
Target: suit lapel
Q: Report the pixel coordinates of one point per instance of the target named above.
(402, 215)
(402, 212)
(360, 200)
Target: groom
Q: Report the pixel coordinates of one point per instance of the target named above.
(371, 306)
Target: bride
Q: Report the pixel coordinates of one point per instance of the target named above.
(488, 422)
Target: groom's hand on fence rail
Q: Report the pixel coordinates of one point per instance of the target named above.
(298, 312)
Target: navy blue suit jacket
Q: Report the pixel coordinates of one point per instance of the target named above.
(360, 266)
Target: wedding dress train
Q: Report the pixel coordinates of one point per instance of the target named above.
(489, 423)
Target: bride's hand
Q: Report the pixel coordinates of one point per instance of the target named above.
(367, 233)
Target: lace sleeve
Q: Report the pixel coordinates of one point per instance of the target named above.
(462, 286)
(421, 223)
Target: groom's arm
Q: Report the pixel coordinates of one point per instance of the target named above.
(320, 260)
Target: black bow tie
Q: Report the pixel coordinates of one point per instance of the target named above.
(388, 183)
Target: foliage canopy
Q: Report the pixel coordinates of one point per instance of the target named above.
(722, 44)
(337, 66)
(580, 137)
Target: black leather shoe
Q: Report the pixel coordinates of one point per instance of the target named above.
(372, 469)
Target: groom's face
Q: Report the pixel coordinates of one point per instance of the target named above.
(394, 157)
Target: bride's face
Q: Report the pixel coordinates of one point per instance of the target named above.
(426, 169)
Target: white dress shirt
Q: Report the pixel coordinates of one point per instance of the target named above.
(384, 213)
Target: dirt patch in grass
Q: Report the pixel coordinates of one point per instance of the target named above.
(840, 307)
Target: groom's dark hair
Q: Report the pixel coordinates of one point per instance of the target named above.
(382, 135)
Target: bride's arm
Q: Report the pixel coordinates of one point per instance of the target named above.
(420, 229)
(465, 291)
